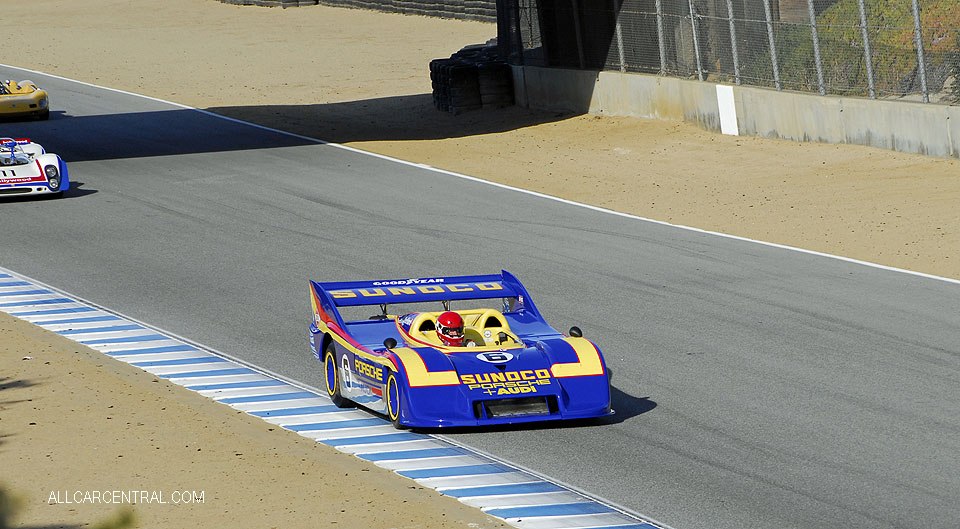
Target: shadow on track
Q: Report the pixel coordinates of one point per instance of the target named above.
(397, 118)
(76, 191)
(625, 406)
(185, 131)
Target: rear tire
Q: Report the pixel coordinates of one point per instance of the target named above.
(393, 401)
(332, 379)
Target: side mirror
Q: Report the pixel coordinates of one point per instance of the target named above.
(576, 332)
(502, 337)
(389, 343)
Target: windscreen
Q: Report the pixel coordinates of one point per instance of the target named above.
(376, 312)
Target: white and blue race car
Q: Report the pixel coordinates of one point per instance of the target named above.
(27, 169)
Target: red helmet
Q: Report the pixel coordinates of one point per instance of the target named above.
(450, 329)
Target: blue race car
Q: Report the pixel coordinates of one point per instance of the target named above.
(470, 366)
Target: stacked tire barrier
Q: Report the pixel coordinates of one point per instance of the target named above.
(473, 78)
(480, 10)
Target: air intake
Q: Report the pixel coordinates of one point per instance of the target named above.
(519, 407)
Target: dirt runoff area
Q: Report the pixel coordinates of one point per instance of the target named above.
(72, 419)
(78, 430)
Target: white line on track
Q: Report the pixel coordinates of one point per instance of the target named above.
(496, 184)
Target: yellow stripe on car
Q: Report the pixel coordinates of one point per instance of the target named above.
(587, 364)
(417, 374)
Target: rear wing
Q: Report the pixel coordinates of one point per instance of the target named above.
(328, 296)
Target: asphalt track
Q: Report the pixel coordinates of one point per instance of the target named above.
(755, 387)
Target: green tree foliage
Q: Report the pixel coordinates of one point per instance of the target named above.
(122, 519)
(9, 506)
(890, 29)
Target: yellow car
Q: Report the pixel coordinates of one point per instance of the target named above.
(23, 99)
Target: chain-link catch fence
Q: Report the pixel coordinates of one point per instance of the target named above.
(870, 48)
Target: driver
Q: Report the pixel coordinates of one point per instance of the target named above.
(450, 329)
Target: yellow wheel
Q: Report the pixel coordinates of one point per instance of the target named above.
(331, 375)
(393, 401)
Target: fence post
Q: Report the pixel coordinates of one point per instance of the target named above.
(663, 51)
(696, 40)
(921, 62)
(773, 45)
(816, 47)
(518, 31)
(534, 9)
(866, 49)
(733, 42)
(619, 31)
(579, 32)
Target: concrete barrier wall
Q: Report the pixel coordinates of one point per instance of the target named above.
(904, 126)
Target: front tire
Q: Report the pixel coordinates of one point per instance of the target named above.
(332, 379)
(393, 401)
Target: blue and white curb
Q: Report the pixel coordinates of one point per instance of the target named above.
(518, 496)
